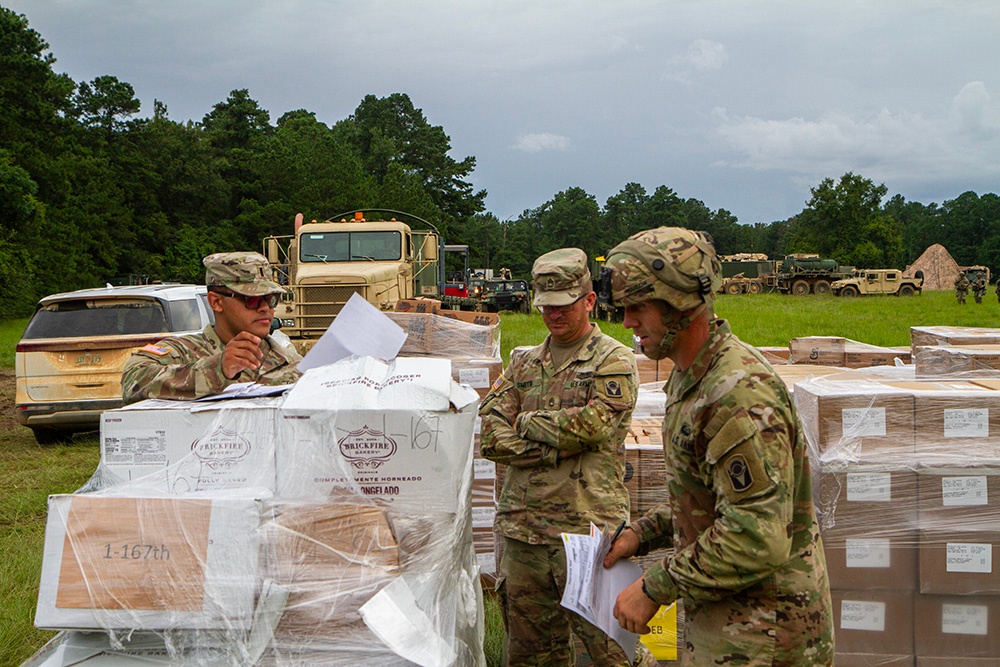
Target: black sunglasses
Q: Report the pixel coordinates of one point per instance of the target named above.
(253, 302)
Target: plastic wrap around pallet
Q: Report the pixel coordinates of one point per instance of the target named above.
(331, 526)
(906, 482)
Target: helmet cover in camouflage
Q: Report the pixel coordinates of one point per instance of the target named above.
(673, 264)
(246, 273)
(561, 277)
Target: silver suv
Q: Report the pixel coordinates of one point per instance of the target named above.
(69, 360)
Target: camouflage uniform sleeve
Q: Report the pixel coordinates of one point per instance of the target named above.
(578, 429)
(499, 441)
(752, 468)
(654, 529)
(170, 375)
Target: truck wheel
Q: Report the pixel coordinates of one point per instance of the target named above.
(906, 290)
(821, 287)
(849, 291)
(755, 287)
(800, 287)
(733, 288)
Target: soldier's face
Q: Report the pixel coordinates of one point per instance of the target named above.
(232, 316)
(572, 324)
(645, 319)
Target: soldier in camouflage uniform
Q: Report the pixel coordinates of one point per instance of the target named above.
(961, 287)
(557, 418)
(237, 348)
(979, 288)
(747, 556)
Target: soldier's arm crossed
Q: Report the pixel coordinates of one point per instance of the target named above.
(500, 442)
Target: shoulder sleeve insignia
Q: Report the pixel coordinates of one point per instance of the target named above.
(153, 348)
(614, 388)
(497, 383)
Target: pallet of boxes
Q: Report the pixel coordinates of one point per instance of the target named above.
(907, 488)
(330, 525)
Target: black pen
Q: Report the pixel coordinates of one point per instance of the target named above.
(618, 532)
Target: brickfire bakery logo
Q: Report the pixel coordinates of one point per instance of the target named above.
(367, 448)
(221, 450)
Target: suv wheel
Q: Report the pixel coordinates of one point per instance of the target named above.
(49, 436)
(849, 291)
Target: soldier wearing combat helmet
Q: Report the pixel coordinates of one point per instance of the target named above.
(557, 418)
(747, 557)
(237, 348)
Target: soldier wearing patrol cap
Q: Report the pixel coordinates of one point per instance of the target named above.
(747, 557)
(237, 348)
(557, 418)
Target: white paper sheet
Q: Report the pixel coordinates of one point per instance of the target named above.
(591, 590)
(360, 329)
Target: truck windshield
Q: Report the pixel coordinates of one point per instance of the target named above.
(377, 246)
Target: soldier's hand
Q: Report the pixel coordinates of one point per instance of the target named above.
(634, 608)
(626, 546)
(242, 353)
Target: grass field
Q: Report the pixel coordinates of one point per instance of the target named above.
(29, 473)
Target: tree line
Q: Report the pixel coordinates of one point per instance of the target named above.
(90, 193)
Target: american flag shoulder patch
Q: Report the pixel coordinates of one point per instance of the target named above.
(153, 348)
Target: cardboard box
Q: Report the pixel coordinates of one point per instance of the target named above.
(954, 418)
(862, 355)
(858, 419)
(449, 337)
(480, 374)
(330, 558)
(434, 307)
(926, 661)
(879, 622)
(933, 360)
(947, 335)
(872, 561)
(652, 370)
(148, 563)
(399, 433)
(959, 496)
(817, 350)
(956, 562)
(957, 627)
(854, 499)
(178, 447)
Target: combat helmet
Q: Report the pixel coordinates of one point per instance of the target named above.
(671, 264)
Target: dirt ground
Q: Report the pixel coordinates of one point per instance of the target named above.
(7, 398)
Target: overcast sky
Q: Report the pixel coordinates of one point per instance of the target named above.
(745, 105)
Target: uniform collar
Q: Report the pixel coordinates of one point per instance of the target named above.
(585, 352)
(679, 381)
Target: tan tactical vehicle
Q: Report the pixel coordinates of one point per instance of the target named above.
(877, 281)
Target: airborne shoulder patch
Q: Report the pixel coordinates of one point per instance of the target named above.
(153, 348)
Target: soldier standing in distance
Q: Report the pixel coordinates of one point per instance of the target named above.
(557, 418)
(979, 288)
(747, 556)
(961, 287)
(237, 348)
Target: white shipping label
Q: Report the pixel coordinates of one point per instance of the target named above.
(477, 378)
(964, 491)
(862, 615)
(484, 469)
(964, 619)
(483, 517)
(967, 423)
(969, 557)
(134, 447)
(863, 422)
(869, 487)
(868, 553)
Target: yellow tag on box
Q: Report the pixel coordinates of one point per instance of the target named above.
(662, 638)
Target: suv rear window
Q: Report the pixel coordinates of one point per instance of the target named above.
(80, 318)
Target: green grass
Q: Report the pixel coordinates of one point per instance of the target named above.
(29, 473)
(10, 333)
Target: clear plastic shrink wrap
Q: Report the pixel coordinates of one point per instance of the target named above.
(906, 465)
(330, 526)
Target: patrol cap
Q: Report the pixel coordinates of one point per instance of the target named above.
(560, 277)
(246, 273)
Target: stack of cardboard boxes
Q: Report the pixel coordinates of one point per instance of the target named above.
(331, 525)
(907, 488)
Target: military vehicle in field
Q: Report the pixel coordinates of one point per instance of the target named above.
(382, 259)
(506, 295)
(801, 273)
(867, 282)
(746, 273)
